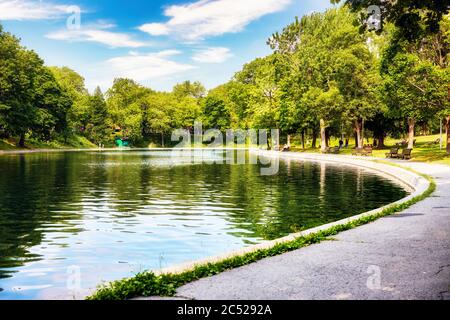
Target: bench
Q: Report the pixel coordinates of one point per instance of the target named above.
(393, 154)
(431, 143)
(406, 154)
(334, 150)
(366, 151)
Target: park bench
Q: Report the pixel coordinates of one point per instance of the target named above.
(366, 151)
(431, 143)
(334, 150)
(393, 153)
(406, 154)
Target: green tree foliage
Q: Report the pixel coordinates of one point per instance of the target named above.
(189, 89)
(31, 100)
(98, 127)
(414, 19)
(324, 55)
(74, 85)
(52, 105)
(264, 92)
(420, 43)
(328, 75)
(215, 113)
(123, 106)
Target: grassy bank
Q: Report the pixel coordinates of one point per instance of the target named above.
(149, 284)
(76, 142)
(425, 150)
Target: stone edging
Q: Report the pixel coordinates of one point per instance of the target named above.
(416, 183)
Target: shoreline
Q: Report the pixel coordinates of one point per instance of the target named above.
(419, 183)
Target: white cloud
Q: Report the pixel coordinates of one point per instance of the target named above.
(97, 33)
(155, 29)
(197, 20)
(137, 66)
(31, 10)
(212, 55)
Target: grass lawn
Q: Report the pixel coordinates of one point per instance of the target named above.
(76, 142)
(424, 151)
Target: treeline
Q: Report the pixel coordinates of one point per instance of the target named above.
(328, 76)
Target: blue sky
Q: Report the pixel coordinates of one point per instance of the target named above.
(158, 43)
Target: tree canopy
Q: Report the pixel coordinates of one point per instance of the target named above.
(328, 75)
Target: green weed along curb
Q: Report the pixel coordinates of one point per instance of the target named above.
(148, 284)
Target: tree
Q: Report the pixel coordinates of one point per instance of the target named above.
(98, 128)
(263, 93)
(189, 89)
(413, 89)
(186, 111)
(421, 29)
(73, 83)
(327, 105)
(19, 71)
(123, 107)
(414, 19)
(188, 97)
(215, 113)
(157, 110)
(52, 104)
(357, 79)
(324, 56)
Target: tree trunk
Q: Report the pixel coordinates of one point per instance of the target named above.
(323, 135)
(22, 140)
(162, 139)
(447, 134)
(328, 137)
(314, 139)
(411, 126)
(358, 139)
(303, 139)
(289, 140)
(380, 142)
(362, 133)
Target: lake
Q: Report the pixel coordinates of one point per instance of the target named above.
(70, 220)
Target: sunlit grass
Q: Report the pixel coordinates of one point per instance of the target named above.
(76, 142)
(425, 150)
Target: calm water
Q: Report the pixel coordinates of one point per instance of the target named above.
(108, 215)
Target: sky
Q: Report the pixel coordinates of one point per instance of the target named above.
(158, 43)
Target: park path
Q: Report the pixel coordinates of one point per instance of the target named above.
(404, 256)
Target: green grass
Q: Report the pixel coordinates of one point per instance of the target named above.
(424, 151)
(149, 284)
(7, 145)
(76, 142)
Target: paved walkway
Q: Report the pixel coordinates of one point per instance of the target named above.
(404, 256)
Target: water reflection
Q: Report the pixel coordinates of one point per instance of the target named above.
(116, 213)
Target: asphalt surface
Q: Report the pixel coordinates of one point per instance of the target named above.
(404, 256)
